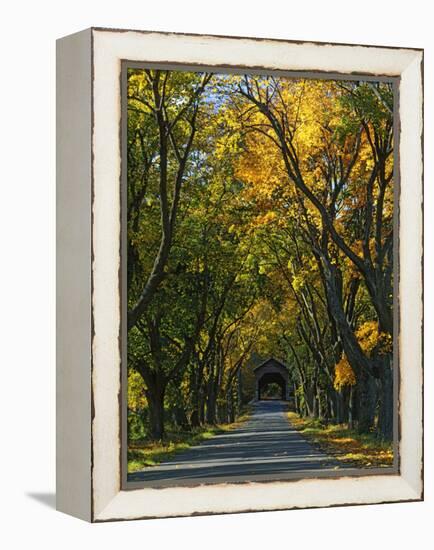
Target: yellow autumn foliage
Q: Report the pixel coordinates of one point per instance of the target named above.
(370, 338)
(344, 374)
(136, 393)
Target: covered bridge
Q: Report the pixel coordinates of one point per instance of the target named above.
(272, 371)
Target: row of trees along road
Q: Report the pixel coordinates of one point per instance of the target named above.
(260, 222)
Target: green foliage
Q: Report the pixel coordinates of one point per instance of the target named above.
(252, 264)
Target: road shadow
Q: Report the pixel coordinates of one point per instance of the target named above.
(265, 445)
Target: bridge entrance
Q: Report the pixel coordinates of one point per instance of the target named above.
(268, 375)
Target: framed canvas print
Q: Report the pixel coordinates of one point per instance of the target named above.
(239, 260)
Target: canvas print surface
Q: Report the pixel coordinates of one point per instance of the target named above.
(259, 261)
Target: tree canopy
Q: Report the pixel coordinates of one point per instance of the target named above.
(260, 223)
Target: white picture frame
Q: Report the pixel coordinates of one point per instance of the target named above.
(89, 479)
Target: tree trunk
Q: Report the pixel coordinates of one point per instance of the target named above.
(194, 418)
(211, 406)
(196, 383)
(201, 407)
(385, 419)
(332, 405)
(352, 408)
(340, 407)
(308, 401)
(156, 385)
(296, 405)
(315, 399)
(333, 286)
(180, 417)
(230, 406)
(198, 415)
(366, 402)
(155, 397)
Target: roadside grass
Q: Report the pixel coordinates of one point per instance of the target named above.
(347, 446)
(144, 453)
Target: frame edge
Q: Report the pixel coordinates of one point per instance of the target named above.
(73, 275)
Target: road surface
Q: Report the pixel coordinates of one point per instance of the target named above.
(265, 447)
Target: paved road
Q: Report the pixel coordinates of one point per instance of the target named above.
(266, 447)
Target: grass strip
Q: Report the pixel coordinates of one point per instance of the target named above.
(145, 453)
(346, 445)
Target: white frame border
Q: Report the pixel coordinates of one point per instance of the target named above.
(109, 48)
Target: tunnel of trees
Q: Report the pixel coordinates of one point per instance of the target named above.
(260, 223)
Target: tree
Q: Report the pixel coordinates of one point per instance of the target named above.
(340, 160)
(173, 101)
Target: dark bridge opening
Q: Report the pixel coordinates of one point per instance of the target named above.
(272, 386)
